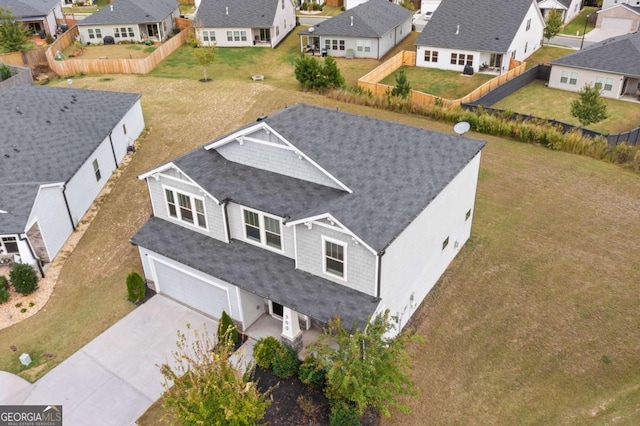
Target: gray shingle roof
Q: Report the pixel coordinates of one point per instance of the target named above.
(635, 9)
(132, 12)
(484, 25)
(33, 8)
(618, 55)
(16, 200)
(47, 133)
(565, 3)
(394, 171)
(237, 13)
(371, 19)
(257, 271)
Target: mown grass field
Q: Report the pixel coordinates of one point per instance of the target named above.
(541, 101)
(535, 322)
(577, 26)
(442, 83)
(546, 54)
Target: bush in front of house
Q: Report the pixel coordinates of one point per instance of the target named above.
(285, 362)
(5, 72)
(227, 330)
(312, 373)
(23, 278)
(4, 295)
(264, 351)
(136, 288)
(344, 414)
(4, 282)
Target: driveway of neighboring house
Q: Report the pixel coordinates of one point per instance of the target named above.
(116, 377)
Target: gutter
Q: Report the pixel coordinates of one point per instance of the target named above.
(378, 289)
(66, 203)
(113, 151)
(33, 254)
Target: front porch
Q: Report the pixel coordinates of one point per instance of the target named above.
(267, 325)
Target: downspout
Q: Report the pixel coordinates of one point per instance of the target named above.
(379, 272)
(113, 151)
(66, 203)
(33, 254)
(227, 229)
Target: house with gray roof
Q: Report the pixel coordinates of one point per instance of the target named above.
(38, 16)
(241, 23)
(483, 35)
(619, 19)
(612, 65)
(369, 30)
(58, 147)
(568, 9)
(308, 214)
(130, 20)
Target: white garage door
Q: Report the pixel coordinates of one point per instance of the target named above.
(617, 25)
(191, 291)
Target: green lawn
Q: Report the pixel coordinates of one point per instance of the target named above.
(99, 4)
(546, 54)
(541, 101)
(577, 26)
(442, 83)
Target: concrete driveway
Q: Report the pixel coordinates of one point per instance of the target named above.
(115, 378)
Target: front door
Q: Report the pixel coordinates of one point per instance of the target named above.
(152, 31)
(496, 60)
(265, 34)
(277, 310)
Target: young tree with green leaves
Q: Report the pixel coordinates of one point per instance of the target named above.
(205, 56)
(204, 386)
(590, 107)
(312, 75)
(13, 35)
(554, 24)
(403, 87)
(368, 368)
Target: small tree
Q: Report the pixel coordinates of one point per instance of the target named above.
(315, 76)
(205, 56)
(5, 72)
(402, 85)
(23, 278)
(227, 331)
(332, 74)
(13, 35)
(136, 288)
(554, 24)
(206, 387)
(590, 107)
(367, 370)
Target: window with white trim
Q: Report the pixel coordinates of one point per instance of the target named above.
(94, 33)
(461, 59)
(186, 207)
(334, 254)
(574, 78)
(10, 245)
(262, 228)
(208, 35)
(431, 56)
(363, 45)
(96, 170)
(565, 77)
(599, 83)
(229, 36)
(608, 84)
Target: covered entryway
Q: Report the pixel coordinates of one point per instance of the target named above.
(193, 291)
(617, 25)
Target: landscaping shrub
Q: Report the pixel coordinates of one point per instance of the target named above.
(264, 351)
(304, 6)
(5, 72)
(285, 362)
(4, 295)
(343, 414)
(227, 331)
(23, 278)
(4, 282)
(312, 373)
(136, 287)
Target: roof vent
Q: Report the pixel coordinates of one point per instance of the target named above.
(18, 111)
(352, 21)
(262, 117)
(458, 29)
(111, 7)
(226, 10)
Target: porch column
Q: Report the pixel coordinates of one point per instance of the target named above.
(291, 334)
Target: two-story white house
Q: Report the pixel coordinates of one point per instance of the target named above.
(309, 214)
(241, 23)
(568, 9)
(480, 34)
(58, 148)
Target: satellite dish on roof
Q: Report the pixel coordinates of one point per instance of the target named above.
(311, 29)
(461, 128)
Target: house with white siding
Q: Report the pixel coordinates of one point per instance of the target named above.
(309, 214)
(58, 147)
(482, 35)
(568, 9)
(130, 20)
(39, 17)
(241, 23)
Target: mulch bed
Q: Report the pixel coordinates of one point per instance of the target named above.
(285, 409)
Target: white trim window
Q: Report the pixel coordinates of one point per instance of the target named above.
(262, 229)
(574, 78)
(9, 245)
(96, 170)
(608, 84)
(94, 33)
(363, 45)
(564, 77)
(431, 56)
(334, 255)
(186, 207)
(599, 83)
(208, 36)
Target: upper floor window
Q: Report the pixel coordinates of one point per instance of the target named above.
(186, 208)
(262, 229)
(528, 24)
(334, 253)
(96, 169)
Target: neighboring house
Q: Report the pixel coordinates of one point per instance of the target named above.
(66, 3)
(308, 214)
(486, 33)
(238, 23)
(619, 19)
(131, 20)
(612, 64)
(568, 8)
(38, 16)
(427, 7)
(58, 147)
(367, 31)
(608, 3)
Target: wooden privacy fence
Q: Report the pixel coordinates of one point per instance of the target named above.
(183, 23)
(26, 57)
(370, 81)
(70, 67)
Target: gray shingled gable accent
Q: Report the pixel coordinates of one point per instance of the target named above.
(17, 200)
(373, 19)
(269, 192)
(237, 13)
(29, 9)
(565, 3)
(257, 271)
(485, 25)
(618, 55)
(131, 12)
(634, 9)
